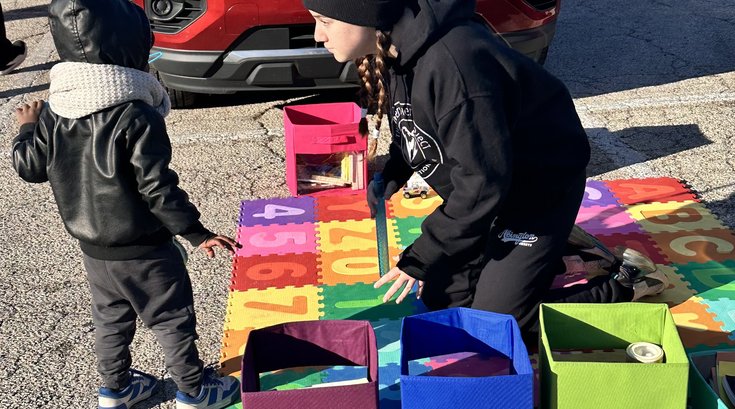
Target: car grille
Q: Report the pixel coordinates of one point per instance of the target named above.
(301, 37)
(172, 16)
(277, 38)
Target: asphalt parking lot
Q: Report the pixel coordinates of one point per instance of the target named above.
(654, 84)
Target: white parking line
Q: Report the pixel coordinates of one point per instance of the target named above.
(594, 104)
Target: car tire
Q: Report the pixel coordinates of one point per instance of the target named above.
(423, 195)
(407, 196)
(179, 99)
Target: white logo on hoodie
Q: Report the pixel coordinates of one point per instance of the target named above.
(520, 239)
(420, 149)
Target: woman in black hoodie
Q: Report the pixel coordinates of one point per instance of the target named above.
(496, 136)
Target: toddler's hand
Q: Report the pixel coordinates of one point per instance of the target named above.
(28, 114)
(219, 241)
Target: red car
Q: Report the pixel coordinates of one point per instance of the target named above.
(225, 46)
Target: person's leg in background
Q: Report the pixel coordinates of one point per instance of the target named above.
(158, 287)
(114, 321)
(11, 54)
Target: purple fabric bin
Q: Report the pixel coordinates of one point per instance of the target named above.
(311, 343)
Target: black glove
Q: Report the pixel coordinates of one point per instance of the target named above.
(391, 187)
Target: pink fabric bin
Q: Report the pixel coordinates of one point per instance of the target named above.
(320, 129)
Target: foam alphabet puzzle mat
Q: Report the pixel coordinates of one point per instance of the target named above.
(310, 258)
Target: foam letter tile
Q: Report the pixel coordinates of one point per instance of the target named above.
(277, 211)
(697, 326)
(633, 191)
(342, 208)
(351, 235)
(711, 280)
(363, 302)
(698, 246)
(278, 271)
(636, 241)
(276, 239)
(602, 220)
(678, 290)
(350, 267)
(596, 193)
(674, 216)
(415, 206)
(262, 308)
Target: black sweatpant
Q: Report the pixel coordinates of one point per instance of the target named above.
(514, 273)
(6, 47)
(156, 288)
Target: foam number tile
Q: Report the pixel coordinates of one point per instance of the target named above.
(389, 389)
(633, 191)
(596, 193)
(697, 326)
(233, 345)
(363, 302)
(636, 241)
(388, 336)
(351, 235)
(697, 246)
(416, 207)
(350, 267)
(602, 220)
(711, 280)
(279, 271)
(262, 308)
(390, 375)
(674, 216)
(342, 208)
(276, 239)
(409, 229)
(277, 211)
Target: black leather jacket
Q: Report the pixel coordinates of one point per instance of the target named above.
(109, 171)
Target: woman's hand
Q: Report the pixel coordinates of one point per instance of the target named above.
(402, 280)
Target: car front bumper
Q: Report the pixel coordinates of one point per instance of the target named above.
(209, 72)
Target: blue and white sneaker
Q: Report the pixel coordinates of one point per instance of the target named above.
(217, 393)
(141, 388)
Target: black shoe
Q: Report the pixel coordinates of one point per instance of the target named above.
(19, 55)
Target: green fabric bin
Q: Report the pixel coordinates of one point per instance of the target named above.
(599, 385)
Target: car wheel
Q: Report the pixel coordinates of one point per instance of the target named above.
(179, 99)
(406, 195)
(423, 195)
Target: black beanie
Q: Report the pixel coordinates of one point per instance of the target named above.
(380, 14)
